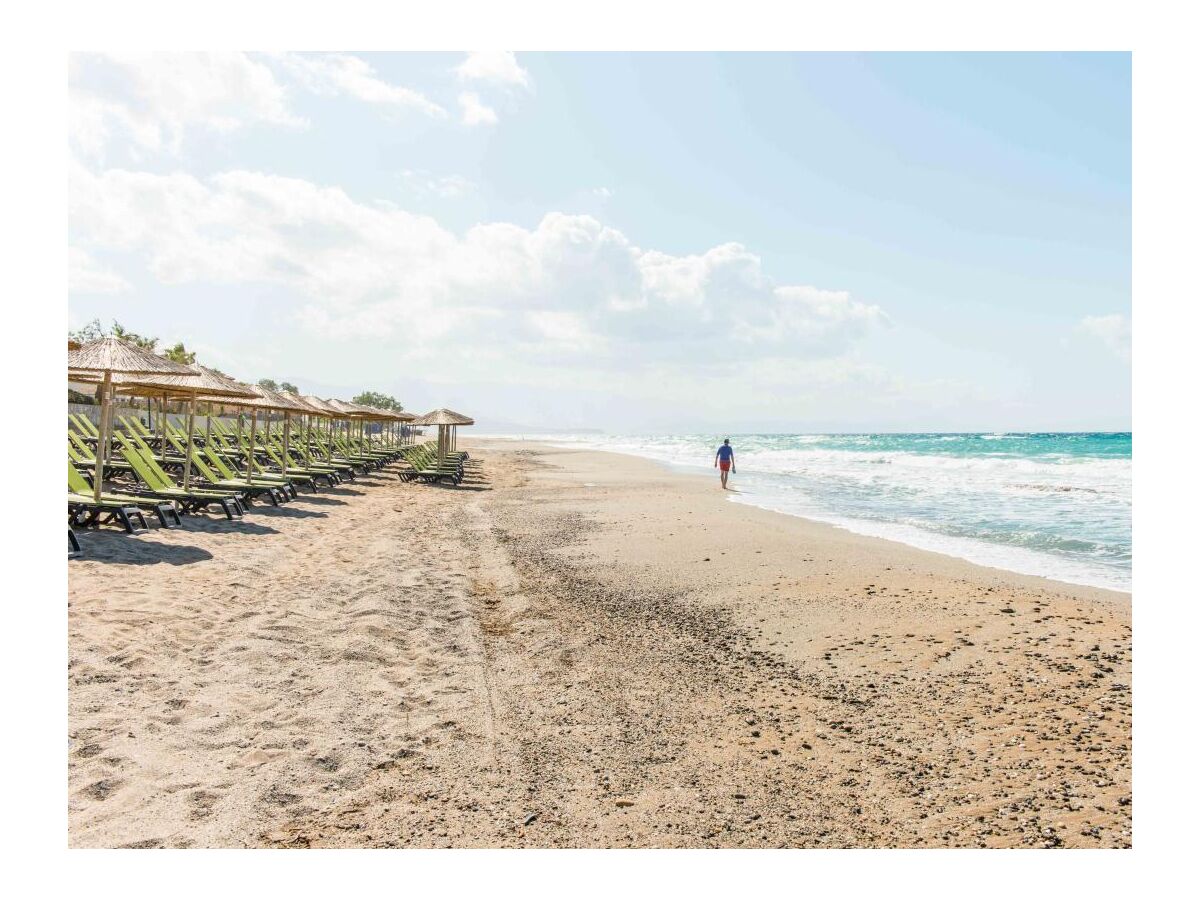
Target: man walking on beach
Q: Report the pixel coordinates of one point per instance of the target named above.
(725, 461)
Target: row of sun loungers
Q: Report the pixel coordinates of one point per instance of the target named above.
(144, 474)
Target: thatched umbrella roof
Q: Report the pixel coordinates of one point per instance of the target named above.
(374, 412)
(443, 417)
(275, 400)
(395, 415)
(346, 410)
(203, 383)
(111, 354)
(320, 407)
(310, 408)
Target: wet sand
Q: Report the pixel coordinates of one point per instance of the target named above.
(582, 649)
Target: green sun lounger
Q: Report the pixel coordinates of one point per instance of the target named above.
(84, 512)
(158, 484)
(219, 468)
(168, 515)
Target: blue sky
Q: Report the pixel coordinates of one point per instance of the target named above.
(628, 241)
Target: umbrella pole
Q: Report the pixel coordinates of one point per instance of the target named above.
(102, 445)
(287, 434)
(187, 460)
(250, 449)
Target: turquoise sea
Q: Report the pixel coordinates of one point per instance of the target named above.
(1058, 505)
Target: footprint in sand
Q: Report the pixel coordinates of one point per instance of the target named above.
(103, 789)
(258, 757)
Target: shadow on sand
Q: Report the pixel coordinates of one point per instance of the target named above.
(124, 549)
(321, 499)
(341, 491)
(213, 525)
(290, 511)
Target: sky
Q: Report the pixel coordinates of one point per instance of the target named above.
(632, 242)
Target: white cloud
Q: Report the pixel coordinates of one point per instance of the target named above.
(445, 186)
(494, 67)
(473, 110)
(151, 100)
(499, 294)
(1114, 331)
(602, 192)
(86, 276)
(340, 73)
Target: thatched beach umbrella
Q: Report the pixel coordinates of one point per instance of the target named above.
(445, 420)
(404, 419)
(370, 414)
(250, 398)
(206, 385)
(286, 403)
(394, 418)
(399, 419)
(108, 357)
(349, 412)
(366, 414)
(322, 409)
(308, 411)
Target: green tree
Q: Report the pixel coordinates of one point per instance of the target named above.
(289, 387)
(146, 343)
(180, 354)
(380, 401)
(93, 330)
(268, 384)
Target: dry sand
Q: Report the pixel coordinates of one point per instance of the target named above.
(582, 649)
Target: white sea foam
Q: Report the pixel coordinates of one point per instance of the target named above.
(1052, 505)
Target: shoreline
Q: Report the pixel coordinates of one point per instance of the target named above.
(967, 549)
(581, 649)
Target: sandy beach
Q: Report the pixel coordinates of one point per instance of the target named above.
(581, 649)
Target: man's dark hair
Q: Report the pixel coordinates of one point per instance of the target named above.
(727, 440)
